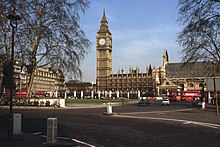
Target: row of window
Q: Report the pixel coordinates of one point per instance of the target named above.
(130, 81)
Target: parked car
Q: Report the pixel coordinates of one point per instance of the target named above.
(144, 102)
(165, 102)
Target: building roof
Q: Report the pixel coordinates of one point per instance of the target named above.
(198, 69)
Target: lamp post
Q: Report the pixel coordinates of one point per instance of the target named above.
(92, 95)
(122, 70)
(13, 17)
(214, 81)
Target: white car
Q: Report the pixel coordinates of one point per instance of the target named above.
(165, 102)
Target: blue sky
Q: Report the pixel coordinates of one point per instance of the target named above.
(141, 31)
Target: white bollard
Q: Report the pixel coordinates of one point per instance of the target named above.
(81, 94)
(99, 94)
(56, 94)
(92, 94)
(203, 105)
(109, 108)
(16, 123)
(51, 130)
(139, 94)
(65, 95)
(74, 94)
(110, 93)
(117, 93)
(62, 103)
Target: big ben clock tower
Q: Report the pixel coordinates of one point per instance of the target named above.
(103, 54)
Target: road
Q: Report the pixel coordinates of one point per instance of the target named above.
(176, 125)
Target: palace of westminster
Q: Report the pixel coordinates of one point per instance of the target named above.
(154, 81)
(171, 76)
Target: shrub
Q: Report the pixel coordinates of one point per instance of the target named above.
(47, 103)
(36, 103)
(42, 103)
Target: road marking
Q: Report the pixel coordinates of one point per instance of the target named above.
(63, 138)
(209, 125)
(78, 141)
(37, 133)
(66, 138)
(187, 122)
(179, 110)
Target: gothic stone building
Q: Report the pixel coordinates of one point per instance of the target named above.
(45, 79)
(132, 81)
(170, 77)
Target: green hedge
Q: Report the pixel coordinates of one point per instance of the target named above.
(92, 101)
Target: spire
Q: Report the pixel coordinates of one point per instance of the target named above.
(103, 16)
(150, 71)
(165, 55)
(104, 24)
(165, 58)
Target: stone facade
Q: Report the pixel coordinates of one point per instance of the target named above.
(133, 81)
(189, 76)
(45, 79)
(176, 77)
(103, 54)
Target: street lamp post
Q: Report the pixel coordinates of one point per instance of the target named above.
(215, 91)
(122, 70)
(13, 23)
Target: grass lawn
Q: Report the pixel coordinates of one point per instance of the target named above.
(92, 101)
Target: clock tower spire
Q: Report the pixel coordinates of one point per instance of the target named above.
(103, 54)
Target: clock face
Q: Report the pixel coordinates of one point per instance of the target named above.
(102, 41)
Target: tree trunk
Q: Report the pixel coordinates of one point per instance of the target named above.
(30, 83)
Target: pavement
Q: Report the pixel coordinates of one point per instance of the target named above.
(39, 140)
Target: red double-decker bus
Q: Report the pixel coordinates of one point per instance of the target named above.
(21, 93)
(190, 95)
(39, 94)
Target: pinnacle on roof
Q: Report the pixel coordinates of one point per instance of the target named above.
(104, 17)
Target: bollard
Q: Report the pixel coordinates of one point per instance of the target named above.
(51, 130)
(203, 105)
(109, 108)
(16, 123)
(62, 103)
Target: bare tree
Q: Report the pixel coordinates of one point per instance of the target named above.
(4, 46)
(199, 39)
(49, 34)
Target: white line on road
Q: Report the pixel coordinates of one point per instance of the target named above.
(179, 110)
(209, 125)
(37, 133)
(66, 138)
(83, 143)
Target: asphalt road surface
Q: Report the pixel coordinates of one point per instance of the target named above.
(177, 125)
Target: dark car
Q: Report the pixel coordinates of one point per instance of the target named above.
(144, 102)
